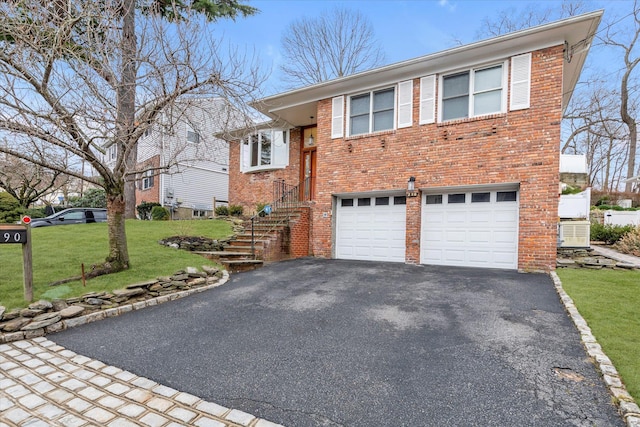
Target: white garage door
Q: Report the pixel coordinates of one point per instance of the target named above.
(371, 228)
(474, 229)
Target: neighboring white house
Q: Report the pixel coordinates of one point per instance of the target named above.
(183, 165)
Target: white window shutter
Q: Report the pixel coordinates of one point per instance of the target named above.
(280, 149)
(245, 156)
(337, 117)
(405, 104)
(520, 82)
(428, 99)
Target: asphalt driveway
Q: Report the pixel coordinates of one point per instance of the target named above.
(341, 343)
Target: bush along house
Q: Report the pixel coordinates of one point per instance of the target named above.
(447, 159)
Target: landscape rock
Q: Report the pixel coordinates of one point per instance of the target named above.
(30, 312)
(13, 314)
(41, 305)
(2, 310)
(43, 321)
(179, 277)
(59, 304)
(15, 324)
(142, 284)
(71, 311)
(128, 293)
(95, 301)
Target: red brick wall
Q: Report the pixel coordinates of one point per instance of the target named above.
(249, 189)
(150, 195)
(515, 147)
(300, 228)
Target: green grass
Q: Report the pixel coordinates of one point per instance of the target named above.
(609, 300)
(58, 253)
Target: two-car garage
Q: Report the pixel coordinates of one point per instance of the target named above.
(473, 228)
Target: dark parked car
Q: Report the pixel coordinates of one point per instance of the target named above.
(72, 216)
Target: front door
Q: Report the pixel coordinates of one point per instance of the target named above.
(308, 162)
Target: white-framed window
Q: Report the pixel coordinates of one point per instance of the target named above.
(193, 136)
(264, 150)
(147, 180)
(147, 133)
(372, 111)
(112, 153)
(199, 213)
(475, 92)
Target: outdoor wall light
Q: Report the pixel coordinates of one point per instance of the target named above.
(411, 187)
(311, 141)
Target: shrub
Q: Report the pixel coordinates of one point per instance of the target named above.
(222, 211)
(10, 210)
(92, 198)
(630, 242)
(144, 209)
(609, 234)
(260, 209)
(160, 213)
(235, 210)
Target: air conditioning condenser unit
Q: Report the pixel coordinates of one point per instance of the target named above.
(574, 234)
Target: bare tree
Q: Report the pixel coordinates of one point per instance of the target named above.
(532, 14)
(626, 39)
(87, 75)
(28, 182)
(335, 44)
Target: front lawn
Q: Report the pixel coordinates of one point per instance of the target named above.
(609, 300)
(58, 253)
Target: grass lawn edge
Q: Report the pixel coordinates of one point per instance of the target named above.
(625, 402)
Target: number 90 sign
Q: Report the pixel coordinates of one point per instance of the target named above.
(13, 235)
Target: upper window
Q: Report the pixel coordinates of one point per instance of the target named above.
(147, 180)
(266, 149)
(473, 93)
(113, 152)
(193, 135)
(372, 112)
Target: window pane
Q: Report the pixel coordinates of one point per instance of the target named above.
(382, 201)
(487, 79)
(506, 196)
(383, 120)
(346, 202)
(359, 125)
(400, 200)
(434, 199)
(456, 198)
(480, 197)
(364, 202)
(487, 103)
(455, 85)
(455, 108)
(265, 153)
(360, 105)
(383, 100)
(254, 143)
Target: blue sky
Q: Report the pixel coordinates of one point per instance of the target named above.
(405, 29)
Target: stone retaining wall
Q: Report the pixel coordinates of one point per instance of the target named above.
(43, 317)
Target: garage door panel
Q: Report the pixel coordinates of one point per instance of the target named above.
(482, 234)
(454, 255)
(375, 232)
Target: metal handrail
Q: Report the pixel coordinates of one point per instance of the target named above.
(285, 197)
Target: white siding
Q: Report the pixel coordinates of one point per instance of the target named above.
(195, 187)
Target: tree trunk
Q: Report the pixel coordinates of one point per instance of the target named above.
(118, 258)
(127, 104)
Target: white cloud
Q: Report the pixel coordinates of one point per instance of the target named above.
(446, 4)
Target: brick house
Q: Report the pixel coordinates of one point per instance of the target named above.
(447, 159)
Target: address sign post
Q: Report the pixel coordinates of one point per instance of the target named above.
(21, 233)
